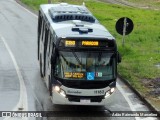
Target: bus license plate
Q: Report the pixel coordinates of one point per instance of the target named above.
(85, 100)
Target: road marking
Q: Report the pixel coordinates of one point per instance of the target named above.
(23, 93)
(37, 18)
(127, 99)
(132, 107)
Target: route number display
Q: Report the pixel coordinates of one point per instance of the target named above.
(70, 43)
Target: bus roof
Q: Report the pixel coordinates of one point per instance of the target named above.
(73, 21)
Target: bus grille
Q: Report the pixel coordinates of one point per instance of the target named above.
(73, 98)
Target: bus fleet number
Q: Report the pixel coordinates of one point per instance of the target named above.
(99, 92)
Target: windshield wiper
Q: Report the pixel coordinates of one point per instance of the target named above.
(75, 55)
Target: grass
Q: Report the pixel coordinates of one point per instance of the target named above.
(142, 47)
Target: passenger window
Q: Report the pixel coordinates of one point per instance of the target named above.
(39, 22)
(46, 37)
(42, 31)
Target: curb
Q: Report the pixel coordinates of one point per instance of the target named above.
(147, 102)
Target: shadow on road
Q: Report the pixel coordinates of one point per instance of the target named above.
(78, 111)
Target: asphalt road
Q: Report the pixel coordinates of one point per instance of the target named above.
(21, 87)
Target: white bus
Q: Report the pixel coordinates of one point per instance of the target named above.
(78, 56)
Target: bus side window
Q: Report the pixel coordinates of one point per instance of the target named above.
(39, 31)
(42, 30)
(48, 48)
(46, 38)
(48, 44)
(51, 49)
(39, 23)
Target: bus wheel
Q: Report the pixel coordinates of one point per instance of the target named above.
(41, 66)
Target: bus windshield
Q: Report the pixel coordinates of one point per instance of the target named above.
(88, 65)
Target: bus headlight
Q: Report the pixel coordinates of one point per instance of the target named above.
(112, 90)
(59, 90)
(108, 93)
(62, 93)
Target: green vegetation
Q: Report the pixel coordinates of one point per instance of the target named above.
(141, 52)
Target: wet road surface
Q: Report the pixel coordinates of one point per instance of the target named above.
(22, 88)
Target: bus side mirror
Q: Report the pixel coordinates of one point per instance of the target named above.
(52, 58)
(119, 57)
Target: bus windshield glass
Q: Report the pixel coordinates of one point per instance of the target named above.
(87, 65)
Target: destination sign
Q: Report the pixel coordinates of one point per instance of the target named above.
(76, 43)
(70, 43)
(90, 43)
(74, 75)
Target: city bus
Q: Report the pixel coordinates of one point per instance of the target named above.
(78, 57)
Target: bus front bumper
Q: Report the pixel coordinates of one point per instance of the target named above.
(61, 100)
